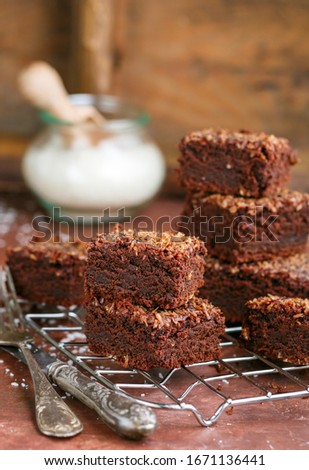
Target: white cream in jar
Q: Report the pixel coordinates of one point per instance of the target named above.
(81, 170)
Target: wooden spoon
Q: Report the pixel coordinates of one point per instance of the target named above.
(42, 86)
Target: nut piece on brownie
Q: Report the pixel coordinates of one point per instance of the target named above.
(240, 230)
(146, 338)
(146, 268)
(51, 273)
(278, 328)
(241, 163)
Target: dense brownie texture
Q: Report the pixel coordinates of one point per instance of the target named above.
(231, 286)
(147, 338)
(147, 268)
(240, 163)
(51, 273)
(240, 230)
(278, 328)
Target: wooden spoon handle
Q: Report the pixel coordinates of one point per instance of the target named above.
(42, 86)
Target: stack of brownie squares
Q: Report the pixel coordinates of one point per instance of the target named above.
(140, 301)
(237, 202)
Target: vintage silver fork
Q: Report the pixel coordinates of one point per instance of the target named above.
(53, 416)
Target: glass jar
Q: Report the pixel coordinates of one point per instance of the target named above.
(84, 169)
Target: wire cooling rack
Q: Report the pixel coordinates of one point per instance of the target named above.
(205, 390)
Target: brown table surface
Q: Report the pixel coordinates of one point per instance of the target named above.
(276, 425)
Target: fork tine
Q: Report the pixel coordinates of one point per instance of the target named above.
(2, 301)
(1, 323)
(5, 296)
(14, 300)
(5, 299)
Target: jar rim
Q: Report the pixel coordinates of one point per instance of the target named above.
(122, 113)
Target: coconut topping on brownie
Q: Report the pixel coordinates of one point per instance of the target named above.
(266, 146)
(297, 307)
(171, 241)
(292, 200)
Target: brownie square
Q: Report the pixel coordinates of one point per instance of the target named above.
(241, 163)
(231, 286)
(51, 273)
(147, 268)
(278, 328)
(240, 230)
(147, 338)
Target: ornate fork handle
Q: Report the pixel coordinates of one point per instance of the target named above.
(122, 414)
(53, 416)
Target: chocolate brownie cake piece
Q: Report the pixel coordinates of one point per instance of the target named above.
(278, 328)
(51, 273)
(147, 268)
(147, 338)
(240, 230)
(241, 163)
(231, 286)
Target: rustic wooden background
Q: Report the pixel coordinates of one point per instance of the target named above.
(190, 63)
